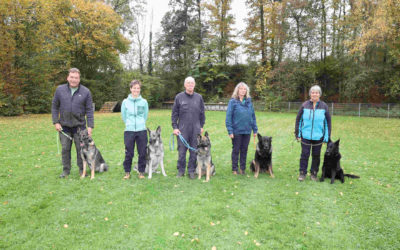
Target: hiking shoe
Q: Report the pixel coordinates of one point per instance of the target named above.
(64, 175)
(242, 171)
(127, 176)
(302, 176)
(313, 177)
(234, 172)
(192, 176)
(180, 174)
(141, 175)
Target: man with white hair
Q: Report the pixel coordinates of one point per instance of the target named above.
(188, 119)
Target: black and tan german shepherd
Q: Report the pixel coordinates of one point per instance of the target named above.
(263, 157)
(204, 160)
(90, 155)
(331, 167)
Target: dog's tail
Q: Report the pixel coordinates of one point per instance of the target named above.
(352, 176)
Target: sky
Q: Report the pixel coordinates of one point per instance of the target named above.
(160, 7)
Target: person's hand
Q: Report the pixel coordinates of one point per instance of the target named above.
(176, 131)
(231, 136)
(201, 131)
(298, 139)
(89, 131)
(58, 127)
(254, 135)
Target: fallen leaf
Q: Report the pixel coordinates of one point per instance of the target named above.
(318, 223)
(218, 222)
(176, 234)
(341, 193)
(125, 225)
(239, 243)
(227, 206)
(297, 193)
(258, 244)
(214, 248)
(304, 233)
(106, 219)
(183, 235)
(246, 233)
(109, 203)
(65, 225)
(388, 185)
(195, 239)
(5, 203)
(212, 223)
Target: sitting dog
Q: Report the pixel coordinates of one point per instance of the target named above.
(331, 166)
(263, 157)
(204, 160)
(154, 152)
(90, 155)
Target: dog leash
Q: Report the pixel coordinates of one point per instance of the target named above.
(69, 137)
(173, 144)
(183, 141)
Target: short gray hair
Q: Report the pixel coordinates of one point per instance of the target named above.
(315, 88)
(241, 84)
(74, 70)
(189, 78)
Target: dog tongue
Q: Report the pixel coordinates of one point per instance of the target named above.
(82, 144)
(205, 148)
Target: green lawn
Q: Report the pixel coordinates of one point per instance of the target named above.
(39, 210)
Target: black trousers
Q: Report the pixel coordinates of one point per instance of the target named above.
(240, 144)
(130, 139)
(66, 145)
(315, 148)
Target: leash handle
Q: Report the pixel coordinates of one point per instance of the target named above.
(255, 145)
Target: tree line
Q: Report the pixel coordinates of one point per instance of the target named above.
(351, 48)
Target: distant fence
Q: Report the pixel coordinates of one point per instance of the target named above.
(388, 110)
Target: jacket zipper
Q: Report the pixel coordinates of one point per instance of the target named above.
(134, 110)
(312, 125)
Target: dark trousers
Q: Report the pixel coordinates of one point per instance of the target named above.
(191, 138)
(66, 144)
(240, 144)
(305, 154)
(130, 138)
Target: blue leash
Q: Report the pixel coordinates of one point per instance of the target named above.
(183, 141)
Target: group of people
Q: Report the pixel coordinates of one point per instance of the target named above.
(72, 109)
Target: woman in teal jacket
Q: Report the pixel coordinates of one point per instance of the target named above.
(134, 110)
(240, 121)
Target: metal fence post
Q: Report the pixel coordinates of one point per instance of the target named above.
(332, 108)
(270, 107)
(388, 116)
(289, 106)
(359, 109)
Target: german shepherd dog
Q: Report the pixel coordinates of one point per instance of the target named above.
(204, 160)
(90, 155)
(154, 152)
(263, 157)
(331, 167)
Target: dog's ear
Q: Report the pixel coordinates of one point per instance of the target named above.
(158, 130)
(259, 136)
(206, 134)
(337, 142)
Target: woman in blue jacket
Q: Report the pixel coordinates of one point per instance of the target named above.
(240, 121)
(313, 127)
(134, 110)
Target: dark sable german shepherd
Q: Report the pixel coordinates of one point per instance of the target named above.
(263, 157)
(204, 160)
(90, 155)
(331, 167)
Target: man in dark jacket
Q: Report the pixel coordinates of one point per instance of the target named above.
(71, 109)
(188, 119)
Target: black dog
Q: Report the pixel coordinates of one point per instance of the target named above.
(90, 155)
(263, 157)
(331, 166)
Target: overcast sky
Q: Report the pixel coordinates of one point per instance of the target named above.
(160, 7)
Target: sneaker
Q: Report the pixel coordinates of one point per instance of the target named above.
(313, 177)
(141, 175)
(192, 176)
(127, 176)
(242, 171)
(302, 176)
(180, 174)
(234, 172)
(64, 175)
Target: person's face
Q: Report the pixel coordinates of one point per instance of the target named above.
(314, 95)
(73, 79)
(189, 86)
(242, 91)
(135, 90)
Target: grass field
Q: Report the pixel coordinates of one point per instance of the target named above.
(39, 210)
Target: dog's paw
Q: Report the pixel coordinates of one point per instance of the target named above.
(205, 181)
(91, 178)
(149, 177)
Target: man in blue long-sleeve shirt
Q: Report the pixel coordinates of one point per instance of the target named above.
(72, 108)
(188, 119)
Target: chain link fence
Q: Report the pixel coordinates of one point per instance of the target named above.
(388, 110)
